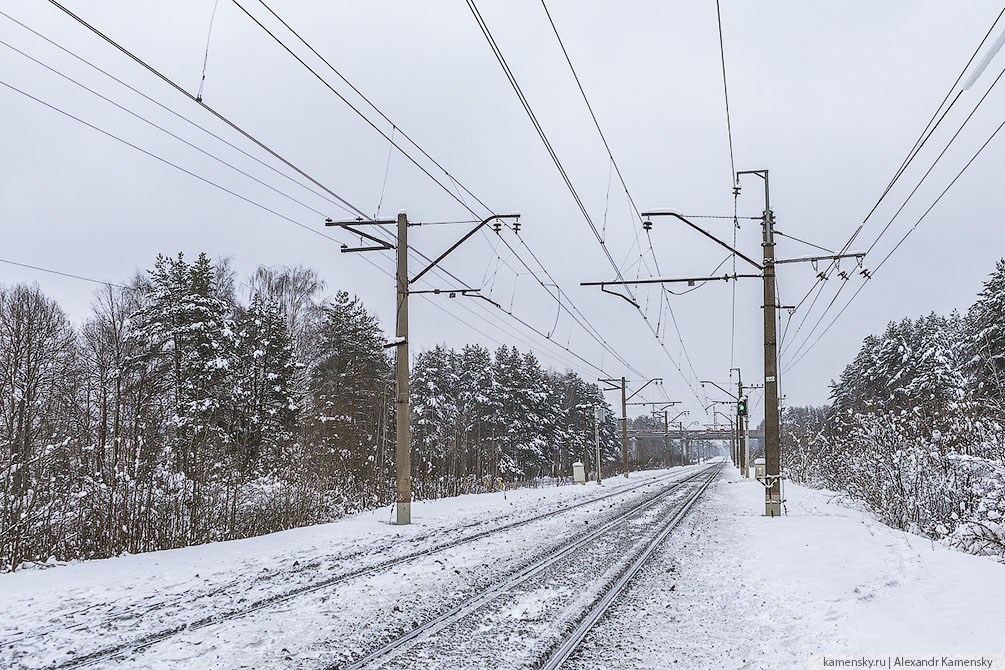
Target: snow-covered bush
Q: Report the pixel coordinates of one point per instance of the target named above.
(914, 430)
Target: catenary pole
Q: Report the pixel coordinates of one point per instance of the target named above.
(596, 437)
(403, 432)
(624, 426)
(403, 454)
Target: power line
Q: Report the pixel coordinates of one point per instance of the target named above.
(725, 94)
(177, 87)
(182, 117)
(904, 204)
(212, 111)
(524, 102)
(596, 123)
(168, 162)
(62, 274)
(351, 106)
(174, 85)
(923, 138)
(540, 131)
(164, 130)
(384, 116)
(900, 242)
(108, 134)
(394, 128)
(589, 329)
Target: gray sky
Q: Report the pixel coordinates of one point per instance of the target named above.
(828, 96)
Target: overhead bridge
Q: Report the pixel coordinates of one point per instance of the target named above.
(710, 434)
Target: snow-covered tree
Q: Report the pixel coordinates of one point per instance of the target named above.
(349, 383)
(265, 403)
(985, 339)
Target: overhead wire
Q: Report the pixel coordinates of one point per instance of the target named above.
(899, 243)
(927, 132)
(161, 76)
(165, 161)
(511, 78)
(162, 129)
(725, 94)
(255, 203)
(525, 104)
(382, 114)
(903, 205)
(62, 274)
(205, 59)
(596, 123)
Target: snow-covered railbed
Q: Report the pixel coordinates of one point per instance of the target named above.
(731, 588)
(292, 596)
(519, 621)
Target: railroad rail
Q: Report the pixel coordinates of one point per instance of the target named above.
(572, 641)
(141, 643)
(472, 614)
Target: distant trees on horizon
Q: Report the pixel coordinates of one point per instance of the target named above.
(178, 414)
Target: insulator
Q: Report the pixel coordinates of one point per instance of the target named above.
(647, 225)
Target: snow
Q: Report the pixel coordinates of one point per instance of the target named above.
(985, 61)
(69, 611)
(734, 589)
(728, 589)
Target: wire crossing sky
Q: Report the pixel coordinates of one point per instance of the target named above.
(264, 120)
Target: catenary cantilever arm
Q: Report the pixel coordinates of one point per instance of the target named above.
(459, 243)
(706, 234)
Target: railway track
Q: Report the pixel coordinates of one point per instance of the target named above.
(305, 571)
(572, 641)
(308, 572)
(484, 624)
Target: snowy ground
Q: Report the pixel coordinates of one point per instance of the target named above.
(281, 600)
(728, 589)
(734, 589)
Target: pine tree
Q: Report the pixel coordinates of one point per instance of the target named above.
(433, 390)
(186, 341)
(348, 386)
(985, 338)
(266, 406)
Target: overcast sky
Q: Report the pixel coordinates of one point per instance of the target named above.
(829, 97)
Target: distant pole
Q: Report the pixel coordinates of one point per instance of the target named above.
(596, 436)
(733, 446)
(624, 426)
(403, 455)
(741, 423)
(666, 433)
